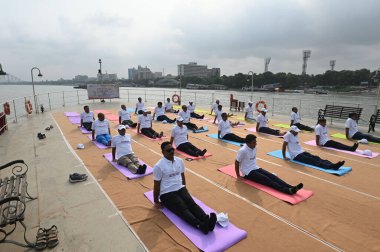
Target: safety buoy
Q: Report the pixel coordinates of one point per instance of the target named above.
(264, 105)
(7, 108)
(28, 107)
(176, 98)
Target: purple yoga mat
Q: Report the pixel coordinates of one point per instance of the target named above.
(74, 119)
(125, 171)
(254, 130)
(84, 131)
(218, 240)
(69, 114)
(99, 145)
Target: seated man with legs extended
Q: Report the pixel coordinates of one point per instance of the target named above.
(123, 154)
(145, 125)
(352, 131)
(296, 152)
(125, 117)
(170, 191)
(180, 138)
(169, 107)
(246, 164)
(218, 114)
(295, 119)
(248, 116)
(191, 108)
(224, 130)
(322, 138)
(262, 125)
(159, 112)
(101, 129)
(87, 118)
(185, 114)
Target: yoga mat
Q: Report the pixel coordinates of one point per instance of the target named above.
(99, 145)
(125, 171)
(215, 136)
(301, 195)
(218, 240)
(343, 136)
(74, 119)
(69, 114)
(84, 131)
(356, 153)
(105, 112)
(280, 125)
(194, 158)
(342, 170)
(254, 130)
(112, 117)
(157, 139)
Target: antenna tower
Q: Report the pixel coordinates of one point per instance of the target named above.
(332, 64)
(306, 56)
(267, 60)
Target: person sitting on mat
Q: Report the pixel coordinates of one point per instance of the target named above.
(214, 106)
(180, 138)
(125, 117)
(352, 131)
(169, 107)
(191, 108)
(185, 114)
(101, 128)
(87, 118)
(248, 116)
(224, 130)
(139, 106)
(246, 164)
(218, 114)
(159, 111)
(145, 125)
(296, 152)
(261, 125)
(170, 191)
(123, 154)
(323, 140)
(295, 119)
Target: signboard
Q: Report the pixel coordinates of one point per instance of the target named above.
(103, 91)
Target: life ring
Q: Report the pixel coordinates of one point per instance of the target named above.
(263, 104)
(7, 108)
(28, 107)
(176, 98)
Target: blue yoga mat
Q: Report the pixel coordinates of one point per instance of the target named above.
(215, 136)
(342, 170)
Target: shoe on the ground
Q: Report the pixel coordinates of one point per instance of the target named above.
(47, 128)
(51, 126)
(203, 152)
(141, 169)
(354, 147)
(212, 222)
(73, 178)
(41, 136)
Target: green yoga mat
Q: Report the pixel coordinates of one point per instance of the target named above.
(285, 126)
(343, 136)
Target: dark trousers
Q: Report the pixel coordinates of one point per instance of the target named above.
(165, 118)
(195, 115)
(307, 158)
(303, 127)
(149, 132)
(182, 204)
(140, 112)
(266, 178)
(130, 123)
(337, 145)
(87, 125)
(190, 149)
(191, 126)
(269, 131)
(233, 137)
(358, 135)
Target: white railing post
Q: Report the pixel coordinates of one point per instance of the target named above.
(14, 108)
(49, 101)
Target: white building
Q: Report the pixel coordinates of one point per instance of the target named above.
(194, 70)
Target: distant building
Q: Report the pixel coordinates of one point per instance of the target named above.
(143, 73)
(194, 70)
(80, 78)
(107, 77)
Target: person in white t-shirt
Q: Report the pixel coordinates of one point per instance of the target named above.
(185, 114)
(214, 106)
(218, 114)
(292, 142)
(191, 108)
(101, 129)
(170, 191)
(125, 117)
(169, 107)
(295, 119)
(86, 118)
(139, 106)
(145, 126)
(180, 138)
(225, 132)
(352, 131)
(123, 154)
(159, 114)
(322, 138)
(245, 164)
(262, 124)
(248, 116)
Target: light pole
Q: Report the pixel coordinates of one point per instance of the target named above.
(100, 71)
(376, 78)
(250, 72)
(34, 94)
(180, 89)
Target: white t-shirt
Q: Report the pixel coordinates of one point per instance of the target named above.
(124, 114)
(87, 117)
(100, 127)
(145, 121)
(168, 106)
(191, 108)
(322, 133)
(247, 160)
(218, 114)
(185, 116)
(352, 127)
(140, 106)
(295, 117)
(262, 120)
(179, 134)
(294, 147)
(159, 111)
(249, 110)
(224, 127)
(122, 144)
(215, 107)
(169, 173)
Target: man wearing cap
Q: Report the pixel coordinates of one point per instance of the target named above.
(101, 128)
(185, 114)
(296, 152)
(86, 118)
(262, 124)
(123, 154)
(145, 125)
(180, 138)
(352, 131)
(245, 163)
(159, 112)
(295, 119)
(169, 107)
(125, 117)
(249, 112)
(139, 106)
(191, 109)
(214, 106)
(224, 130)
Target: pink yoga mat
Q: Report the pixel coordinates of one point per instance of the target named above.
(194, 158)
(112, 117)
(157, 139)
(356, 153)
(84, 131)
(74, 119)
(69, 114)
(125, 171)
(99, 145)
(218, 240)
(102, 111)
(254, 130)
(301, 195)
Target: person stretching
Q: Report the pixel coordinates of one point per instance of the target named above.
(248, 116)
(139, 106)
(86, 118)
(125, 117)
(295, 119)
(101, 128)
(352, 131)
(218, 114)
(169, 107)
(224, 130)
(191, 108)
(145, 125)
(159, 111)
(214, 106)
(185, 114)
(261, 125)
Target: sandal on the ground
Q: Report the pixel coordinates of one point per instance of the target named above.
(41, 239)
(52, 236)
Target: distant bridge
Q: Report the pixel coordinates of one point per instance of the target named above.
(8, 78)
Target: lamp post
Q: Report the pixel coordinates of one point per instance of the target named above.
(1, 71)
(34, 94)
(100, 71)
(180, 89)
(250, 72)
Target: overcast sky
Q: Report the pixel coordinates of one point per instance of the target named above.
(65, 38)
